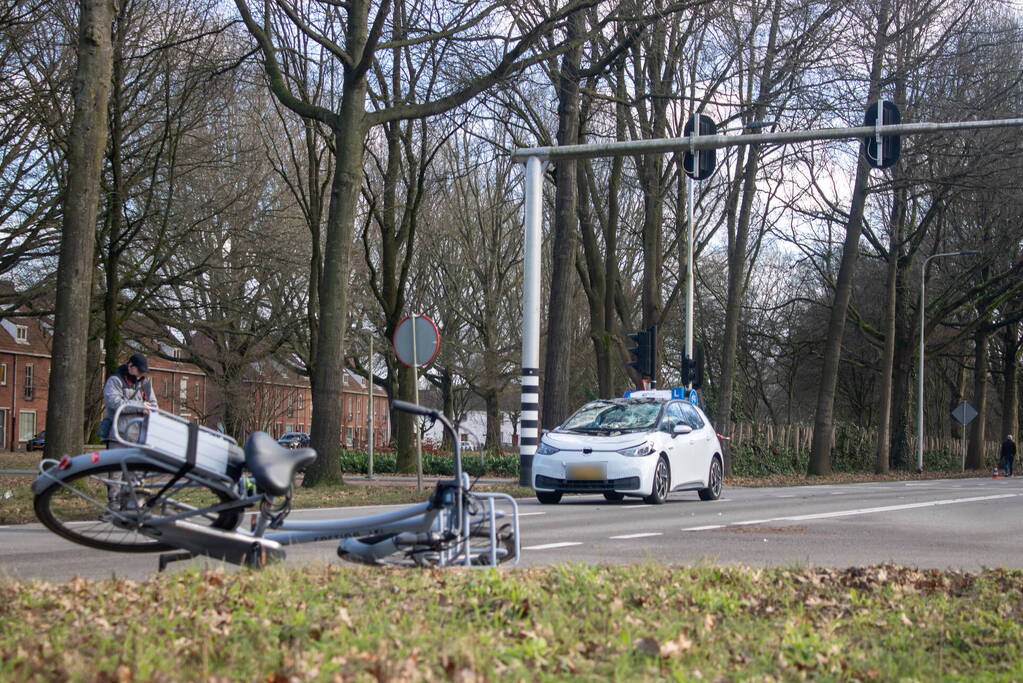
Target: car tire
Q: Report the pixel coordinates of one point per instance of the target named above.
(662, 484)
(714, 479)
(614, 496)
(549, 497)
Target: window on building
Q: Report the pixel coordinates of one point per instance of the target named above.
(26, 425)
(348, 436)
(29, 387)
(3, 374)
(183, 390)
(166, 392)
(195, 392)
(291, 405)
(21, 334)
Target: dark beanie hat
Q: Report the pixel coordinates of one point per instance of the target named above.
(139, 361)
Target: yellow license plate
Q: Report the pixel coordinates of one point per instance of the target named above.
(587, 472)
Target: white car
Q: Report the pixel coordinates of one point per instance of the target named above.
(646, 445)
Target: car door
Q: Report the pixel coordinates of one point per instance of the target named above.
(675, 445)
(701, 444)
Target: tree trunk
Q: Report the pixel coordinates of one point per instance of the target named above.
(975, 449)
(900, 456)
(86, 144)
(555, 405)
(493, 439)
(328, 372)
(882, 452)
(1010, 389)
(824, 420)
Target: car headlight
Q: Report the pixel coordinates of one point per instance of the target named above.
(546, 449)
(637, 451)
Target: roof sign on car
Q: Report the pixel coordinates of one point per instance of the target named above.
(650, 393)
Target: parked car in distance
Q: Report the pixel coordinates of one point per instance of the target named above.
(646, 445)
(37, 442)
(294, 440)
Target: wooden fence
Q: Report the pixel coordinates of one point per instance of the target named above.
(797, 438)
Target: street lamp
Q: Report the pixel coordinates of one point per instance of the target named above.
(920, 370)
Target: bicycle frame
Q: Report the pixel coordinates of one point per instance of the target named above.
(441, 529)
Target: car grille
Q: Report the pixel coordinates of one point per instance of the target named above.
(586, 485)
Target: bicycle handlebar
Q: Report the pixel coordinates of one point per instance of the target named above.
(456, 450)
(415, 408)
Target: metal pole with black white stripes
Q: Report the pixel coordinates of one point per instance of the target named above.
(529, 429)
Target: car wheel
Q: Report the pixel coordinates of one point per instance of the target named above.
(614, 496)
(549, 497)
(662, 483)
(713, 490)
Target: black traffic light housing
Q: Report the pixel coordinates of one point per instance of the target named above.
(692, 368)
(645, 352)
(891, 145)
(700, 165)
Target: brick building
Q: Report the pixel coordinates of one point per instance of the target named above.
(279, 400)
(25, 345)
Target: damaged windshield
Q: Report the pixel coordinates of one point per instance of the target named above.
(616, 415)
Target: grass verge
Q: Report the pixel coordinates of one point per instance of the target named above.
(647, 622)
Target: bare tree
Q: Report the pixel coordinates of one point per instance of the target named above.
(66, 407)
(360, 37)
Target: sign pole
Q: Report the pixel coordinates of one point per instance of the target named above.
(415, 420)
(369, 408)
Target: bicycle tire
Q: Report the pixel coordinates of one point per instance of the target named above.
(74, 508)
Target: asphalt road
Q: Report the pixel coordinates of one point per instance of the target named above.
(958, 523)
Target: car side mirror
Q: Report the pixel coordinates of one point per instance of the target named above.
(681, 429)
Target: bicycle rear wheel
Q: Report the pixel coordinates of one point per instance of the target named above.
(78, 507)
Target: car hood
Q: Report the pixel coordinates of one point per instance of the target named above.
(576, 442)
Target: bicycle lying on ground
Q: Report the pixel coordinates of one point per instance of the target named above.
(176, 486)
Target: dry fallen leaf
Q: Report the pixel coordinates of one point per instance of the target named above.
(674, 648)
(648, 646)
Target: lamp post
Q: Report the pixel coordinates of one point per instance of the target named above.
(920, 369)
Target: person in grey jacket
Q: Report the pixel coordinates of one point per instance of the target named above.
(128, 385)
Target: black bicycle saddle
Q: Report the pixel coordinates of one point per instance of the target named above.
(273, 466)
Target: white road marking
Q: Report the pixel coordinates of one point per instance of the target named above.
(858, 511)
(839, 493)
(528, 514)
(636, 507)
(893, 508)
(549, 546)
(786, 496)
(627, 536)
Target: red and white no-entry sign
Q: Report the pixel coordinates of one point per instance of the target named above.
(426, 345)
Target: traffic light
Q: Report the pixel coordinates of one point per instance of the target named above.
(645, 352)
(692, 368)
(702, 167)
(891, 145)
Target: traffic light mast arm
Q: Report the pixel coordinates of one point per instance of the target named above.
(698, 142)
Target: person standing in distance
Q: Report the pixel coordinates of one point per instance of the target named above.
(1008, 455)
(128, 385)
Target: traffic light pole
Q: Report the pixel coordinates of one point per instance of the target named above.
(536, 157)
(690, 274)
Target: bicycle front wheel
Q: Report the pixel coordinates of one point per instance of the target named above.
(103, 507)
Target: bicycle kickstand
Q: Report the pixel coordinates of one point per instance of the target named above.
(167, 558)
